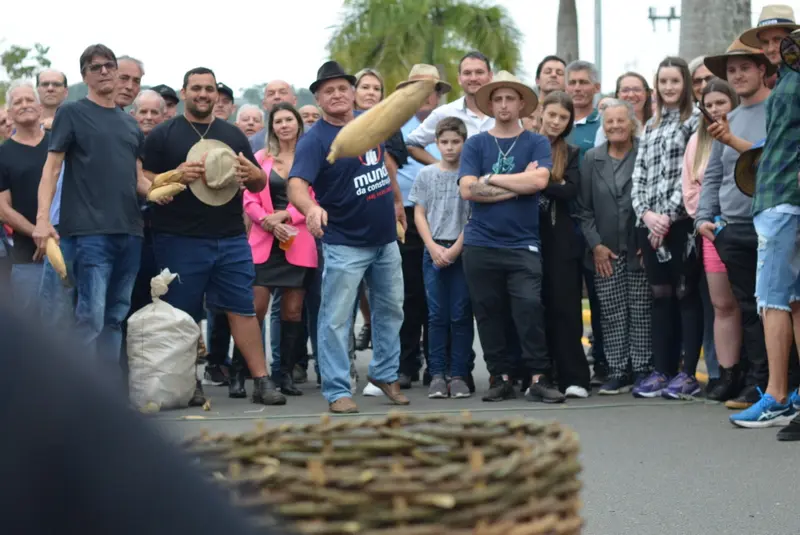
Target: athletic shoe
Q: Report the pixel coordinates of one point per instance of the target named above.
(372, 391)
(576, 392)
(790, 433)
(766, 413)
(438, 388)
(794, 399)
(615, 386)
(500, 390)
(543, 390)
(216, 375)
(459, 388)
(748, 397)
(682, 386)
(652, 386)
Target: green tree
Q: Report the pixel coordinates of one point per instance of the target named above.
(392, 35)
(21, 62)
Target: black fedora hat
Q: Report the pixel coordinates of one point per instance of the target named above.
(330, 70)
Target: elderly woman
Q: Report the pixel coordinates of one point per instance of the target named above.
(607, 219)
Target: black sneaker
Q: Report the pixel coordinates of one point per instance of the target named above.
(500, 390)
(299, 374)
(748, 397)
(543, 391)
(600, 375)
(364, 338)
(216, 375)
(790, 433)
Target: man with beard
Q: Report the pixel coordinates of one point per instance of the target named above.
(170, 100)
(100, 227)
(204, 243)
(129, 80)
(53, 91)
(225, 106)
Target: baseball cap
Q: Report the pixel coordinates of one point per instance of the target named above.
(166, 92)
(225, 90)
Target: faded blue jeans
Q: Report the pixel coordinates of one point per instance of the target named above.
(104, 269)
(344, 269)
(58, 299)
(25, 282)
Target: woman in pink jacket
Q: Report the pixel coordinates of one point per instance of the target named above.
(284, 252)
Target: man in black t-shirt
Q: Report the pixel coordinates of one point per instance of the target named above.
(21, 160)
(207, 245)
(100, 226)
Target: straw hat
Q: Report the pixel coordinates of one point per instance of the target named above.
(422, 71)
(718, 65)
(505, 79)
(220, 184)
(772, 16)
(747, 167)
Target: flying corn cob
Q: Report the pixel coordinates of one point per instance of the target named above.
(372, 128)
(170, 190)
(53, 252)
(166, 178)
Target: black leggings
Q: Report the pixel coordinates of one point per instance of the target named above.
(677, 314)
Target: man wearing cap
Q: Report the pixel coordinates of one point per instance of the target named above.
(200, 234)
(415, 311)
(170, 100)
(502, 172)
(776, 215)
(354, 215)
(225, 106)
(745, 69)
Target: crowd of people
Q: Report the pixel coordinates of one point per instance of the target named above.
(498, 209)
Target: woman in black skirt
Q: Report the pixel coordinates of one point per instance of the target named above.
(284, 252)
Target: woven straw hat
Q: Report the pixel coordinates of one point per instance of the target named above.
(220, 184)
(505, 79)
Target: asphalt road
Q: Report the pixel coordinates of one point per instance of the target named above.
(650, 466)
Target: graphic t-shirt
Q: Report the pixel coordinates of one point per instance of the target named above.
(436, 190)
(20, 172)
(101, 147)
(356, 192)
(514, 223)
(165, 149)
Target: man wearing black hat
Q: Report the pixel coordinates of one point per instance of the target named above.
(225, 106)
(170, 98)
(354, 215)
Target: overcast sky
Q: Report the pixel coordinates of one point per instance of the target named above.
(252, 41)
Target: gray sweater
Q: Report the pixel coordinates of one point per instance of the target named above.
(719, 194)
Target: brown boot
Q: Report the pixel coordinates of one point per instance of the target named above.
(392, 391)
(344, 406)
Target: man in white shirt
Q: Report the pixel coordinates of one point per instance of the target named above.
(474, 71)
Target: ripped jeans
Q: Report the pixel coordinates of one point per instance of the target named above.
(778, 267)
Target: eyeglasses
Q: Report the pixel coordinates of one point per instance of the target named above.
(699, 81)
(631, 90)
(55, 85)
(98, 67)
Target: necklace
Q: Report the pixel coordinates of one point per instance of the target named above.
(204, 134)
(504, 163)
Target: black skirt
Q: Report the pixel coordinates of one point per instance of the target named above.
(277, 272)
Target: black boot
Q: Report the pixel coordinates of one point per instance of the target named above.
(292, 350)
(727, 386)
(236, 381)
(266, 393)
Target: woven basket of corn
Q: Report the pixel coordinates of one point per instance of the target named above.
(402, 474)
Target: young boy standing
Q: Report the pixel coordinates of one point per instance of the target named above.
(440, 215)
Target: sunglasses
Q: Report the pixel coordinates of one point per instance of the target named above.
(98, 67)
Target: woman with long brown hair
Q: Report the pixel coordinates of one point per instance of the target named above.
(562, 250)
(284, 251)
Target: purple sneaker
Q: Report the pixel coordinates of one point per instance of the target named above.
(682, 386)
(652, 386)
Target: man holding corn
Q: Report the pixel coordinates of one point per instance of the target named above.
(354, 215)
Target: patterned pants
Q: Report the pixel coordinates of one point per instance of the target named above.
(625, 301)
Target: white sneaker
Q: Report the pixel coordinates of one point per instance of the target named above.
(576, 392)
(372, 391)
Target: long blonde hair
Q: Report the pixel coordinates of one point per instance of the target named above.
(369, 72)
(704, 139)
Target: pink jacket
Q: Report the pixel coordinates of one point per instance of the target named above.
(691, 183)
(257, 206)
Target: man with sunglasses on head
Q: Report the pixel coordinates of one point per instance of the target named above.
(100, 227)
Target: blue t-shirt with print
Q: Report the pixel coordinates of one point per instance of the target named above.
(356, 192)
(514, 223)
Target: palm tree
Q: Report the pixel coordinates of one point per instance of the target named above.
(567, 32)
(392, 35)
(710, 26)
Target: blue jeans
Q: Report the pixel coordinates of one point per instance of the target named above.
(778, 267)
(311, 304)
(449, 315)
(344, 269)
(25, 282)
(104, 269)
(59, 299)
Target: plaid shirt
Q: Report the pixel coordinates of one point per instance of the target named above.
(777, 178)
(656, 183)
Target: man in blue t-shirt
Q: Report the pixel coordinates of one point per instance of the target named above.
(354, 215)
(502, 172)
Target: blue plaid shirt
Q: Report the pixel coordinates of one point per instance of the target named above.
(777, 178)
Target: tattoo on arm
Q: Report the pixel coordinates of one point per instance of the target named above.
(484, 190)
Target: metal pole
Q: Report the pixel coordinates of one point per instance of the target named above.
(598, 36)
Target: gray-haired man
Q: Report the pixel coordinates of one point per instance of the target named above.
(583, 83)
(130, 72)
(148, 110)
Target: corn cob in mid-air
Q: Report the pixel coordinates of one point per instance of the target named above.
(375, 126)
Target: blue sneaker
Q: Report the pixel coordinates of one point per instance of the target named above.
(766, 413)
(794, 399)
(652, 386)
(682, 386)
